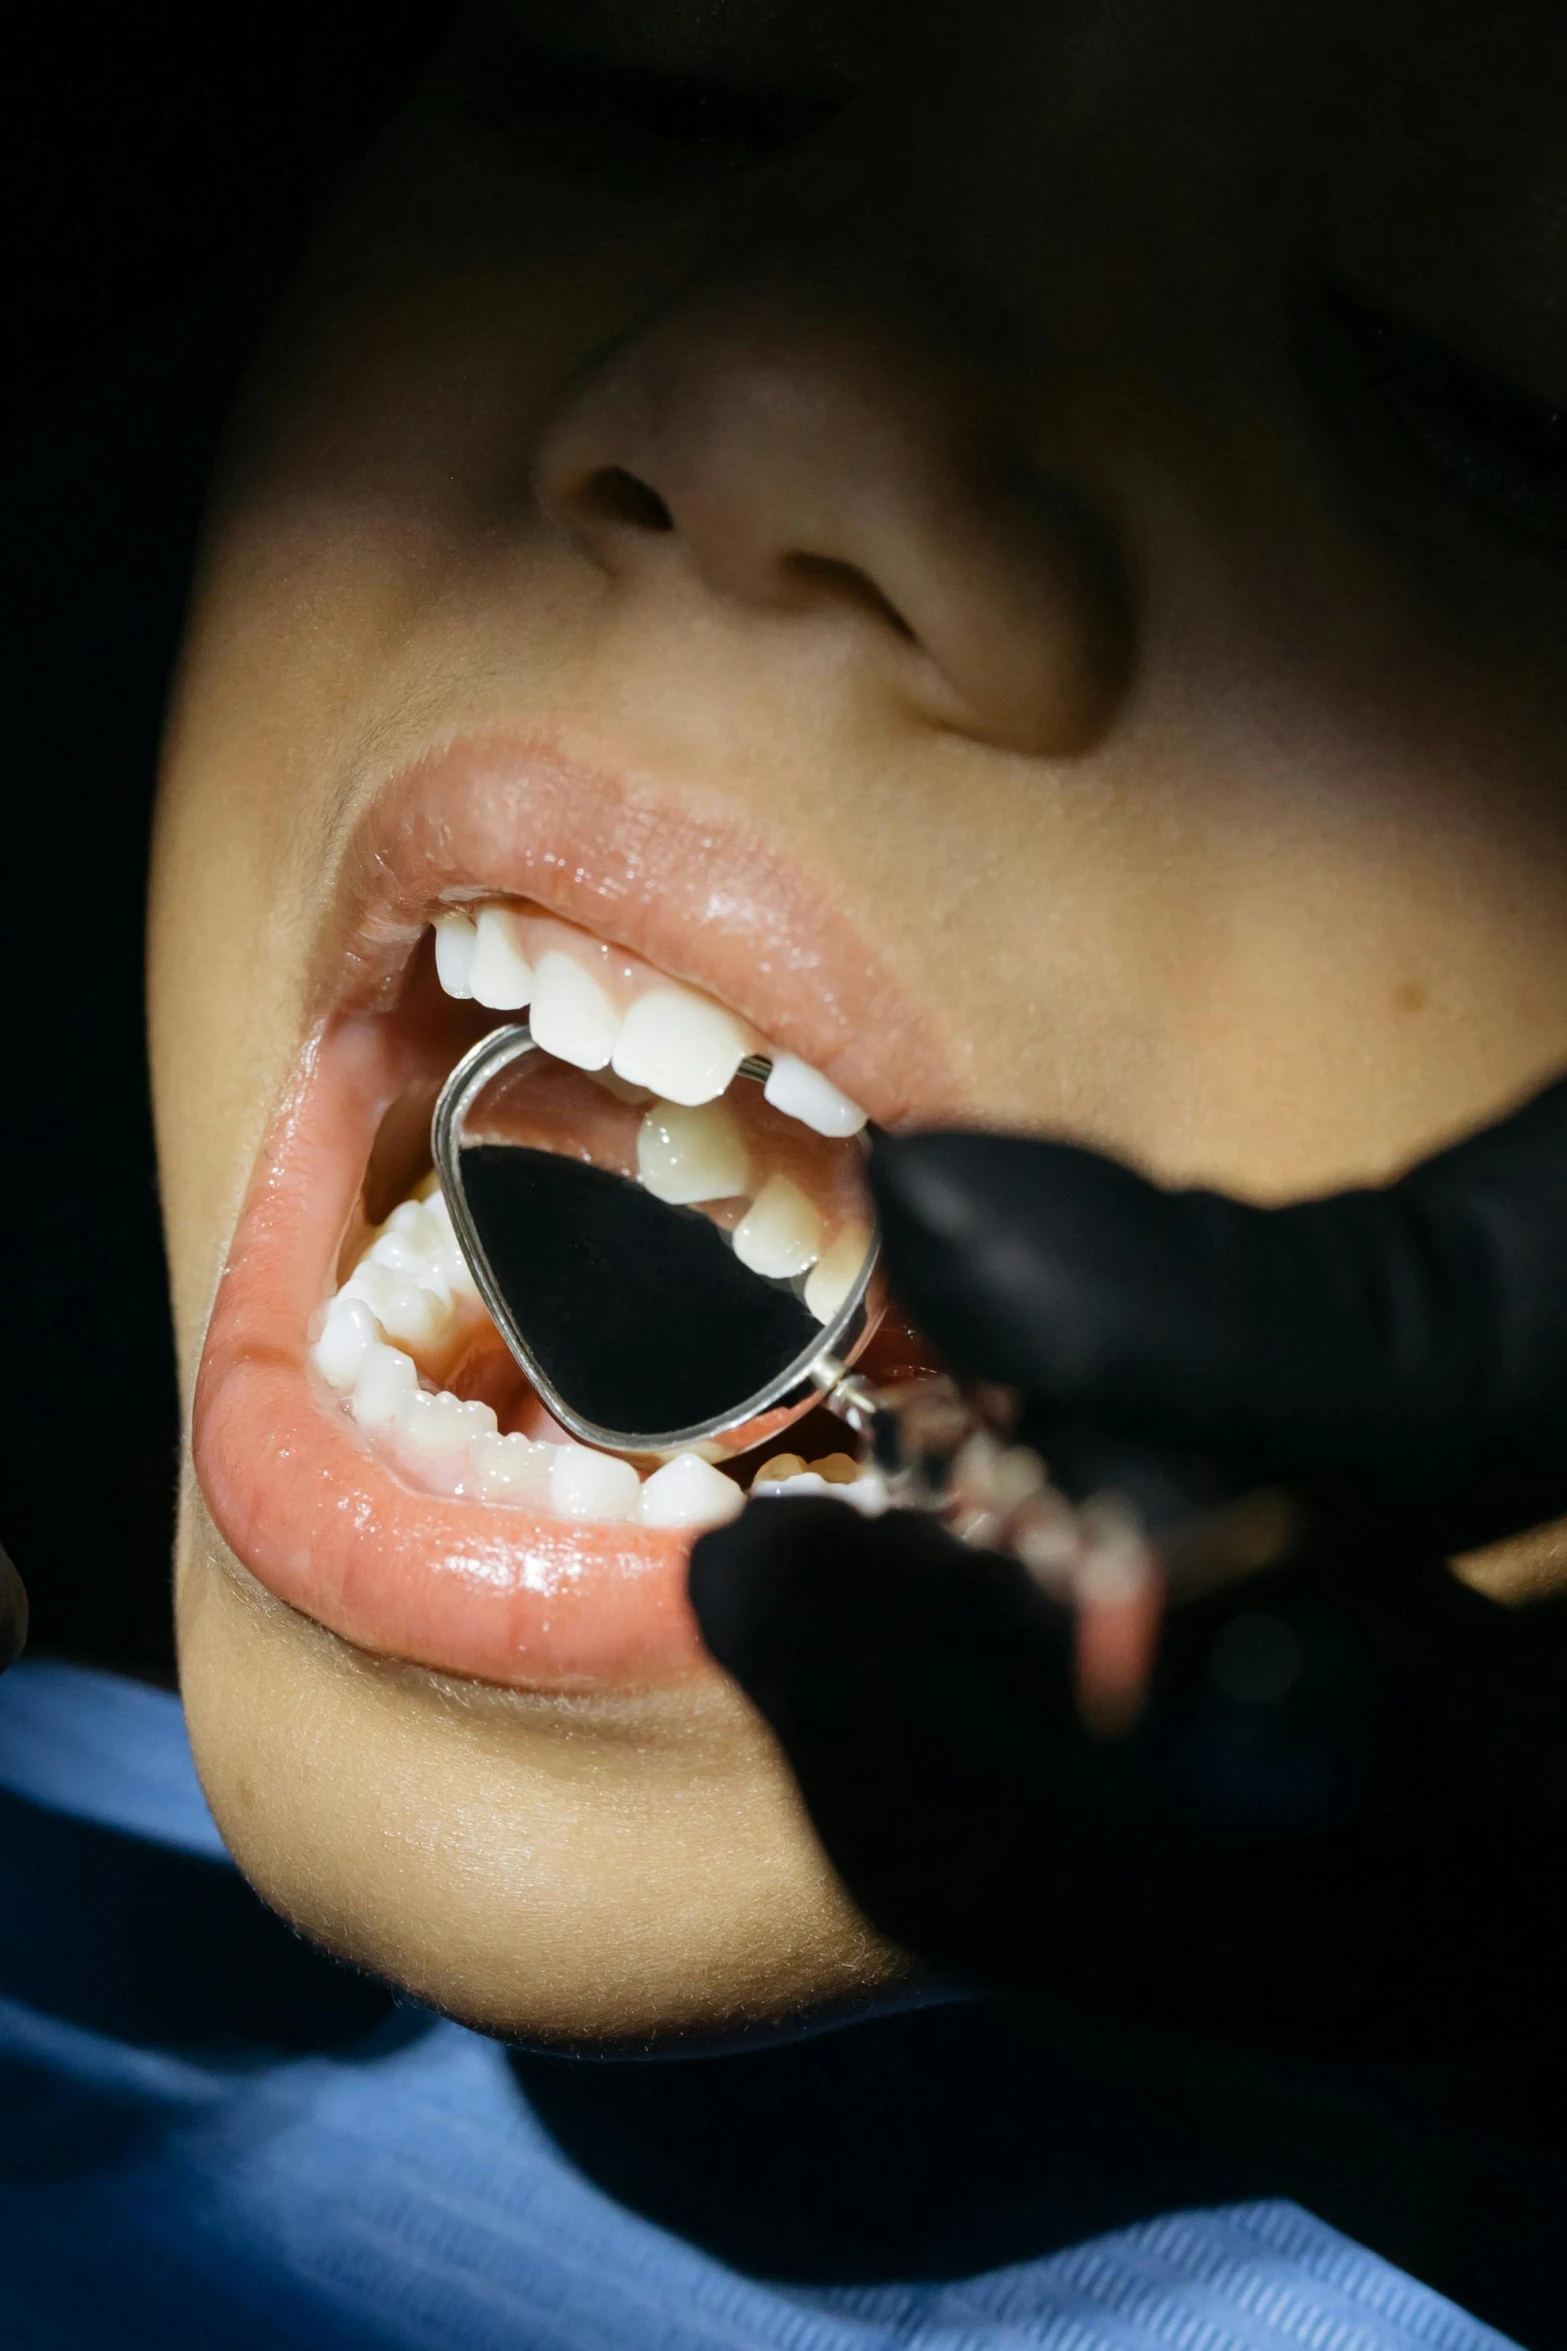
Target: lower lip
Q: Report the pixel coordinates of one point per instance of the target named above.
(461, 1587)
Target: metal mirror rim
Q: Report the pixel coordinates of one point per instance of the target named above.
(811, 1375)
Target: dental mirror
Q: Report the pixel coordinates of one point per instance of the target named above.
(671, 1279)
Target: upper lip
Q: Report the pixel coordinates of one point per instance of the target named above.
(698, 892)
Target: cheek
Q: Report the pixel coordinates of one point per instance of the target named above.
(1293, 950)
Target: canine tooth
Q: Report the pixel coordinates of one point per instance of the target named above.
(388, 1376)
(686, 1154)
(682, 1045)
(585, 1484)
(499, 974)
(836, 1271)
(689, 1492)
(780, 1233)
(347, 1336)
(512, 1468)
(572, 1017)
(441, 1423)
(454, 942)
(803, 1093)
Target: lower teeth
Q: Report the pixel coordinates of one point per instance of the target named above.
(411, 1292)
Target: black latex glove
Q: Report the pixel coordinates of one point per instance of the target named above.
(1342, 1813)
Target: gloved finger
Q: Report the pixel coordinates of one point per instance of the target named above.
(1326, 1824)
(923, 1693)
(1395, 1335)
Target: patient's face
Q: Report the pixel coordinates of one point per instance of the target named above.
(1018, 553)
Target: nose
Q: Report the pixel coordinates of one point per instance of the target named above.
(803, 452)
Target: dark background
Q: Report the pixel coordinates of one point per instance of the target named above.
(168, 163)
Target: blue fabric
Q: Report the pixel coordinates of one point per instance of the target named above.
(208, 2135)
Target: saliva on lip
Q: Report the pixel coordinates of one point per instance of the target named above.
(630, 1080)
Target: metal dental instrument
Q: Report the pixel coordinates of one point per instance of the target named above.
(630, 1312)
(646, 1335)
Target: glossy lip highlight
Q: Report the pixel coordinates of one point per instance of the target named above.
(455, 1585)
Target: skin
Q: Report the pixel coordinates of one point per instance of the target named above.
(1206, 800)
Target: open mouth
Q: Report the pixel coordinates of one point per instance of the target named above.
(405, 1341)
(368, 1445)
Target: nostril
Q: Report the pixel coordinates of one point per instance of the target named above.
(826, 575)
(614, 495)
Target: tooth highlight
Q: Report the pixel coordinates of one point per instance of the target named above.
(512, 1469)
(803, 1093)
(454, 943)
(440, 1423)
(690, 1492)
(686, 1154)
(585, 1484)
(388, 1376)
(347, 1336)
(836, 1271)
(572, 1017)
(405, 1309)
(682, 1045)
(499, 973)
(780, 1233)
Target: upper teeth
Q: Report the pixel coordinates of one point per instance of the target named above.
(685, 1155)
(780, 1233)
(600, 1008)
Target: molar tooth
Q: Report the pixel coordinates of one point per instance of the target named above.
(388, 1376)
(405, 1309)
(686, 1154)
(803, 1093)
(686, 1047)
(689, 1492)
(836, 1271)
(572, 1018)
(347, 1336)
(454, 943)
(779, 1469)
(401, 1254)
(499, 974)
(838, 1469)
(438, 1238)
(512, 1469)
(585, 1484)
(780, 1233)
(796, 1487)
(439, 1423)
